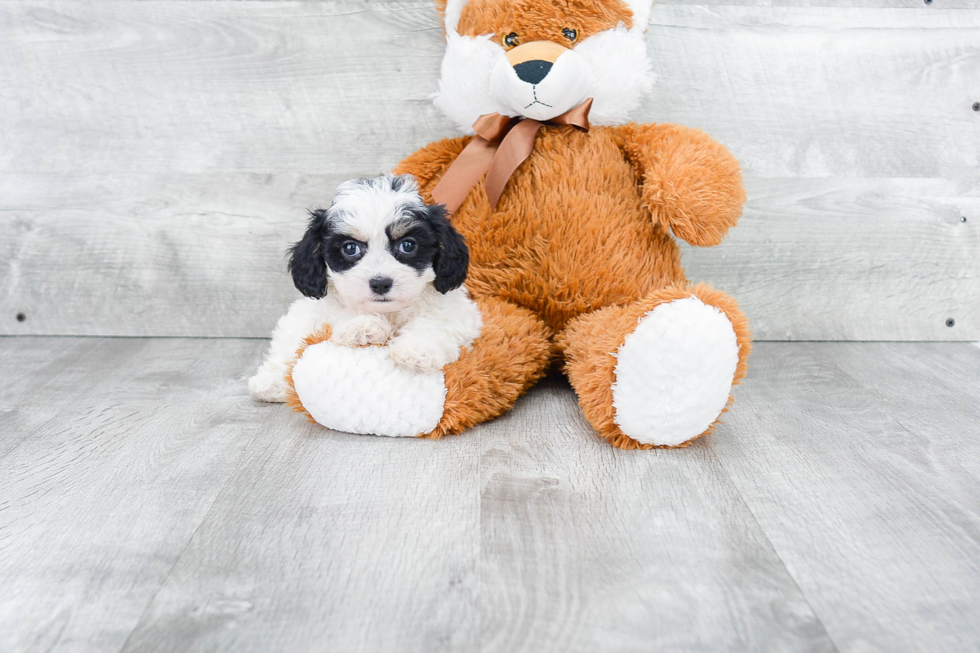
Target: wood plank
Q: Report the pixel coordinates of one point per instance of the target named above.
(204, 255)
(52, 377)
(324, 541)
(869, 4)
(120, 452)
(154, 506)
(334, 542)
(148, 253)
(853, 259)
(821, 92)
(40, 373)
(589, 548)
(254, 86)
(860, 462)
(171, 255)
(342, 87)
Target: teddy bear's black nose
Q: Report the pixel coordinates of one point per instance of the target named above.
(533, 71)
(380, 285)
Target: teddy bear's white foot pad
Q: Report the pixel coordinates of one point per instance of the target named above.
(362, 391)
(674, 372)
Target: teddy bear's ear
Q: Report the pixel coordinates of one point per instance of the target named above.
(641, 13)
(450, 11)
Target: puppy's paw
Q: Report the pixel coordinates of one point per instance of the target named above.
(412, 354)
(268, 386)
(363, 330)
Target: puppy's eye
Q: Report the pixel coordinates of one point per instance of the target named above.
(570, 34)
(406, 246)
(350, 249)
(512, 40)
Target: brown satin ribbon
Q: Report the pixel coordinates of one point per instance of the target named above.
(501, 144)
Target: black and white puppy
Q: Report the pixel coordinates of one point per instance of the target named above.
(381, 267)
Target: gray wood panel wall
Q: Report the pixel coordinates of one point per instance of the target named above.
(156, 157)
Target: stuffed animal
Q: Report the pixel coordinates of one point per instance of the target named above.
(570, 214)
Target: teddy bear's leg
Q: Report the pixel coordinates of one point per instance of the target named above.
(513, 351)
(362, 391)
(657, 372)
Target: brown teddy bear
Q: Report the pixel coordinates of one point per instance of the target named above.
(568, 212)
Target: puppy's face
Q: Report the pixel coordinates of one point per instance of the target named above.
(380, 246)
(380, 260)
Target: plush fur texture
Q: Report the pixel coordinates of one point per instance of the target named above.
(320, 334)
(381, 268)
(336, 384)
(533, 253)
(477, 387)
(674, 372)
(591, 343)
(606, 60)
(486, 381)
(580, 253)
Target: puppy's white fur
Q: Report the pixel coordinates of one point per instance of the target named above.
(422, 329)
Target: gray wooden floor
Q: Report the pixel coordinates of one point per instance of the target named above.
(148, 504)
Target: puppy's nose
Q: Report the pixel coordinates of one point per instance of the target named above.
(380, 285)
(533, 71)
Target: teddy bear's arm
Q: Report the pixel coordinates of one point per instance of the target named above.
(690, 182)
(431, 162)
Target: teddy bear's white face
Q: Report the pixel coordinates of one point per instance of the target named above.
(541, 80)
(502, 61)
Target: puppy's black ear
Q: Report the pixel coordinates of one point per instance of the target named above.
(453, 259)
(306, 262)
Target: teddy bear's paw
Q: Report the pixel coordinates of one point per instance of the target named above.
(268, 385)
(363, 391)
(362, 331)
(412, 354)
(674, 373)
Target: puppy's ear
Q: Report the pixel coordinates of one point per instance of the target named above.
(453, 259)
(306, 262)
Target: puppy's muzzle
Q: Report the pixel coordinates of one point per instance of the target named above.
(533, 61)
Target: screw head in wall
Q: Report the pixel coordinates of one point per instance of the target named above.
(950, 321)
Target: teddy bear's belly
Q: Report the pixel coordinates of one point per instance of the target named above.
(570, 234)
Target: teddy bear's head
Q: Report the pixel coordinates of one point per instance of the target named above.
(539, 58)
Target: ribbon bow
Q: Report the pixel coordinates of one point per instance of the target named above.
(501, 144)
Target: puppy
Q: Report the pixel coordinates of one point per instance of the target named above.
(381, 267)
